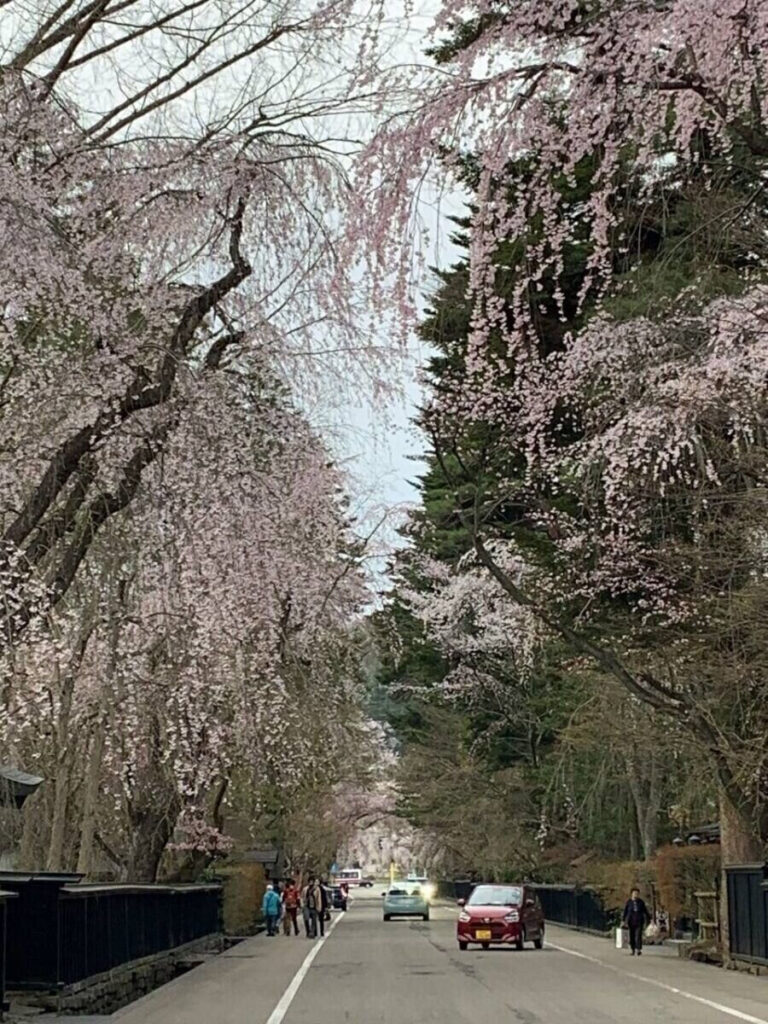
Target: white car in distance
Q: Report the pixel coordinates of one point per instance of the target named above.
(421, 882)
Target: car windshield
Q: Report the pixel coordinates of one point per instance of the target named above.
(496, 896)
(397, 892)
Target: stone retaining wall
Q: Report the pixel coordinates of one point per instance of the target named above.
(105, 993)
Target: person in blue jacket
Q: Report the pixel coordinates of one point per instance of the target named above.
(270, 908)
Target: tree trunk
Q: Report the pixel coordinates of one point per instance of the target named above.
(649, 828)
(153, 808)
(55, 859)
(63, 760)
(645, 787)
(739, 844)
(151, 832)
(64, 753)
(85, 855)
(85, 859)
(634, 850)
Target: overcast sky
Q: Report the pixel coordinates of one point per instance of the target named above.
(381, 449)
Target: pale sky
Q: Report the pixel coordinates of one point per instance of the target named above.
(380, 448)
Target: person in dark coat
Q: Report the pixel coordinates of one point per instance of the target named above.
(309, 898)
(636, 917)
(323, 904)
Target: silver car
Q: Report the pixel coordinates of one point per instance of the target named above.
(400, 902)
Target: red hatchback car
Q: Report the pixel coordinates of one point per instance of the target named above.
(500, 915)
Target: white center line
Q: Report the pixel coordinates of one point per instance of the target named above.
(279, 1012)
(728, 1010)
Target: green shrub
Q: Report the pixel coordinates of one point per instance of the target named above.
(614, 880)
(684, 870)
(244, 886)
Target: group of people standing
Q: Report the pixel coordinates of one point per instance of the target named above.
(283, 901)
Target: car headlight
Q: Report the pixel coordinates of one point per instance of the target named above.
(512, 917)
(428, 890)
(464, 917)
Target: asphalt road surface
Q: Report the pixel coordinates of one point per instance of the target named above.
(367, 971)
(411, 972)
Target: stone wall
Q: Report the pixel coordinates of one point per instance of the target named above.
(105, 993)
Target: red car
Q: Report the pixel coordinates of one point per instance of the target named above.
(500, 915)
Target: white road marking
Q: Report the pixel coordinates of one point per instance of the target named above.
(279, 1012)
(729, 1010)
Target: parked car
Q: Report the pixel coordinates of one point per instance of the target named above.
(399, 902)
(367, 882)
(500, 915)
(338, 897)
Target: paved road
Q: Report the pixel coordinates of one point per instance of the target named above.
(410, 972)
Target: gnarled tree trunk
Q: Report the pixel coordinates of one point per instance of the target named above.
(151, 831)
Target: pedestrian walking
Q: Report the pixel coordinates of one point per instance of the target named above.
(636, 917)
(323, 905)
(270, 908)
(309, 899)
(290, 908)
(306, 917)
(317, 901)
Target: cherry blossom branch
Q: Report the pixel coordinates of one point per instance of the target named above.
(145, 392)
(755, 140)
(643, 686)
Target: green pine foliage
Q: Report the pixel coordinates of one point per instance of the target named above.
(556, 755)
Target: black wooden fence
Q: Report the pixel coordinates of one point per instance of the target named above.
(102, 927)
(4, 898)
(575, 907)
(458, 889)
(748, 912)
(33, 927)
(60, 931)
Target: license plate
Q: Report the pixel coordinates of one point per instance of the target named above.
(483, 934)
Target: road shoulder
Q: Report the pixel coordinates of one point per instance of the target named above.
(737, 994)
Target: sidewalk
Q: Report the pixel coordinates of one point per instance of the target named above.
(242, 984)
(660, 969)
